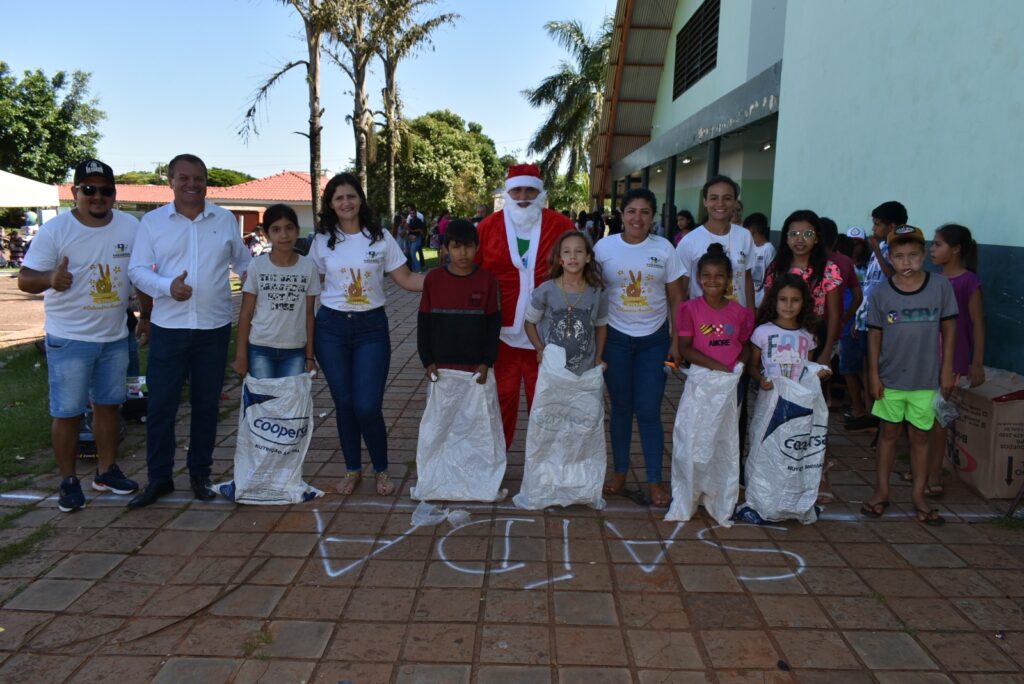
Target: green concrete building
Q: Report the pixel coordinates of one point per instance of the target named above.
(831, 105)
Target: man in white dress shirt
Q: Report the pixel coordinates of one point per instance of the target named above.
(182, 257)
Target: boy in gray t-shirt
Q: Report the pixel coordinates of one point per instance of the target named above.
(909, 316)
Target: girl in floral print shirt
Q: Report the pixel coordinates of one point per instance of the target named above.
(802, 252)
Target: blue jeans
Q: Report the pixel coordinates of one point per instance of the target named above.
(636, 384)
(173, 354)
(354, 352)
(268, 362)
(415, 248)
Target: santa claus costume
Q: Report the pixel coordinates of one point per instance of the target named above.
(515, 244)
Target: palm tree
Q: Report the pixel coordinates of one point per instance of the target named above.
(575, 94)
(318, 17)
(400, 36)
(355, 38)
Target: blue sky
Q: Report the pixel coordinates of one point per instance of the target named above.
(178, 76)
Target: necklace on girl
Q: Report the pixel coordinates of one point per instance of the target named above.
(569, 324)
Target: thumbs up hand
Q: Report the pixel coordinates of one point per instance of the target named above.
(61, 279)
(179, 290)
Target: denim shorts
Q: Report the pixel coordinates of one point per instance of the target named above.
(79, 371)
(852, 353)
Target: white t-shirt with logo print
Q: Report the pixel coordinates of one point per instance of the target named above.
(94, 308)
(739, 247)
(354, 270)
(634, 279)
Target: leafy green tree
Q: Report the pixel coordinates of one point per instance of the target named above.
(401, 35)
(222, 178)
(574, 95)
(573, 195)
(47, 125)
(140, 178)
(451, 165)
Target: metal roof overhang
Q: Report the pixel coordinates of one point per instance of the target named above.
(640, 38)
(737, 109)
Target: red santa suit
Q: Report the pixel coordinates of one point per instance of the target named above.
(517, 277)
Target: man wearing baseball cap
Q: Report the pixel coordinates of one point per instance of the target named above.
(79, 260)
(514, 245)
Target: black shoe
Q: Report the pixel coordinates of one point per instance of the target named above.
(149, 495)
(202, 488)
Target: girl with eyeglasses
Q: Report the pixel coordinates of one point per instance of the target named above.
(802, 252)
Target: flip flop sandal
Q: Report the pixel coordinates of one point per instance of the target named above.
(385, 487)
(931, 518)
(934, 491)
(615, 485)
(348, 485)
(907, 476)
(662, 501)
(871, 509)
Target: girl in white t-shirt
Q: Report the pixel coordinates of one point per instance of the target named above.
(275, 323)
(641, 274)
(353, 348)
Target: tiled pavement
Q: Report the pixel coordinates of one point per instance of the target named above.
(346, 590)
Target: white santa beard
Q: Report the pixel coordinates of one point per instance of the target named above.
(524, 219)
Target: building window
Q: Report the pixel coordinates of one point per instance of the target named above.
(696, 47)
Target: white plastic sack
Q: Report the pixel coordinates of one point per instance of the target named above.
(565, 447)
(275, 426)
(706, 446)
(460, 454)
(787, 440)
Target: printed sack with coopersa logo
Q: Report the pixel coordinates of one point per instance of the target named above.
(787, 439)
(565, 446)
(275, 426)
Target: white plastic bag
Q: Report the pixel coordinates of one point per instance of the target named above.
(275, 426)
(787, 440)
(706, 446)
(565, 447)
(460, 454)
(945, 410)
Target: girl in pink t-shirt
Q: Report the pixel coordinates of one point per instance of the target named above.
(713, 330)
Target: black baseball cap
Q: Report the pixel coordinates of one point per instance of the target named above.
(93, 167)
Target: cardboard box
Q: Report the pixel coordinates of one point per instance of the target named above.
(986, 442)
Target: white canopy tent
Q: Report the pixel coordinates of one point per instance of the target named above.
(18, 191)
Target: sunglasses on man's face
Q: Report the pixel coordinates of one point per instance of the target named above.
(90, 190)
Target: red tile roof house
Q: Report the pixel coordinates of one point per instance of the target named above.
(247, 201)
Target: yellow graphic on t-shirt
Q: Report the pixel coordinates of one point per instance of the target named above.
(633, 292)
(103, 291)
(356, 295)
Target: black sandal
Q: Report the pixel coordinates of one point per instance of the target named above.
(931, 517)
(871, 509)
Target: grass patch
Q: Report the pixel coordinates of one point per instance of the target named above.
(12, 552)
(7, 519)
(256, 642)
(1005, 523)
(24, 411)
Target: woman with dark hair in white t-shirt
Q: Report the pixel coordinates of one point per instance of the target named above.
(353, 347)
(641, 275)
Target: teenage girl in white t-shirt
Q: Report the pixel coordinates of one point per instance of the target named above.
(351, 339)
(641, 275)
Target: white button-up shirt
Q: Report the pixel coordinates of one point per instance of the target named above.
(169, 243)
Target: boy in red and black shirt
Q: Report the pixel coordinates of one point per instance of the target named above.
(460, 316)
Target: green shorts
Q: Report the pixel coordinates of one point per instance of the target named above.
(916, 407)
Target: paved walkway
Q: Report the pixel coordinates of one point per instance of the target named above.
(348, 590)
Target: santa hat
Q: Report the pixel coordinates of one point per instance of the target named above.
(524, 176)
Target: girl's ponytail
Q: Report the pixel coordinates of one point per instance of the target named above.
(956, 235)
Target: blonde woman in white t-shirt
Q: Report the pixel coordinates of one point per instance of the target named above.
(353, 348)
(641, 275)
